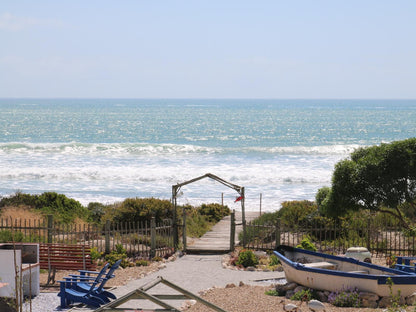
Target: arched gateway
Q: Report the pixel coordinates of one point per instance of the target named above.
(176, 188)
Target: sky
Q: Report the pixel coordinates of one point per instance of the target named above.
(208, 49)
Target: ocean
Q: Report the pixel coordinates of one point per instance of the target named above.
(106, 150)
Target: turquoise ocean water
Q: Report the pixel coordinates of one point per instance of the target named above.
(106, 150)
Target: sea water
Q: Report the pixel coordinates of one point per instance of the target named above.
(106, 150)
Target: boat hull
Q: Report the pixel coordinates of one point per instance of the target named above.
(334, 273)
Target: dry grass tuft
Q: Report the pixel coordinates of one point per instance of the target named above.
(20, 213)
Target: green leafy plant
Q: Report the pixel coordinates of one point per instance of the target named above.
(345, 298)
(272, 292)
(247, 258)
(307, 244)
(157, 259)
(142, 262)
(95, 254)
(395, 298)
(304, 295)
(214, 212)
(115, 255)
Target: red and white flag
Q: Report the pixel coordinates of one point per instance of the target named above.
(238, 199)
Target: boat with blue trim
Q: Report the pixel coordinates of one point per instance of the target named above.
(334, 273)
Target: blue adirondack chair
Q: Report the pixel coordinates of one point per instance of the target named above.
(69, 293)
(82, 282)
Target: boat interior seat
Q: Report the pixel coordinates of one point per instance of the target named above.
(321, 265)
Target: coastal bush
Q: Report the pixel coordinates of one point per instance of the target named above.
(115, 255)
(96, 210)
(247, 258)
(142, 262)
(63, 209)
(140, 210)
(297, 212)
(214, 212)
(197, 225)
(306, 244)
(7, 236)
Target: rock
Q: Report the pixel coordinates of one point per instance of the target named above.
(322, 296)
(365, 303)
(230, 285)
(411, 300)
(251, 268)
(289, 286)
(241, 284)
(386, 302)
(369, 300)
(289, 294)
(299, 288)
(369, 296)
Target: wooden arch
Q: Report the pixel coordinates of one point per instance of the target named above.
(176, 188)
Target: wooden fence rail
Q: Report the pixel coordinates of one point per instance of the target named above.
(139, 239)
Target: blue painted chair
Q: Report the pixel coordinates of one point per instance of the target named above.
(69, 293)
(82, 282)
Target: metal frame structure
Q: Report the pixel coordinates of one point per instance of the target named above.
(176, 188)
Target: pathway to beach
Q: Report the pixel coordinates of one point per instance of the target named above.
(218, 239)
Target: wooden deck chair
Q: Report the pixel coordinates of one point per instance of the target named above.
(83, 282)
(69, 293)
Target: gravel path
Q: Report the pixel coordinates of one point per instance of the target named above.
(194, 273)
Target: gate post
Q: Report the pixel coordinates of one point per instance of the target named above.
(184, 229)
(152, 238)
(107, 237)
(50, 228)
(232, 234)
(368, 234)
(277, 233)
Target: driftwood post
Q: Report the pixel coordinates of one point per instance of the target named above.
(232, 234)
(277, 233)
(152, 238)
(107, 237)
(50, 228)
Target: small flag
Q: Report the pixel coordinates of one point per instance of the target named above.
(238, 199)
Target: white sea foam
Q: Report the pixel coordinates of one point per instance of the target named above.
(112, 172)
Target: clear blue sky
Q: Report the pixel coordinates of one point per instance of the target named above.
(208, 49)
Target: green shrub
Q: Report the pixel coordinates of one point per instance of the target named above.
(115, 255)
(63, 209)
(197, 225)
(307, 244)
(142, 262)
(274, 260)
(141, 210)
(305, 295)
(247, 258)
(95, 254)
(7, 236)
(157, 259)
(272, 292)
(297, 212)
(214, 212)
